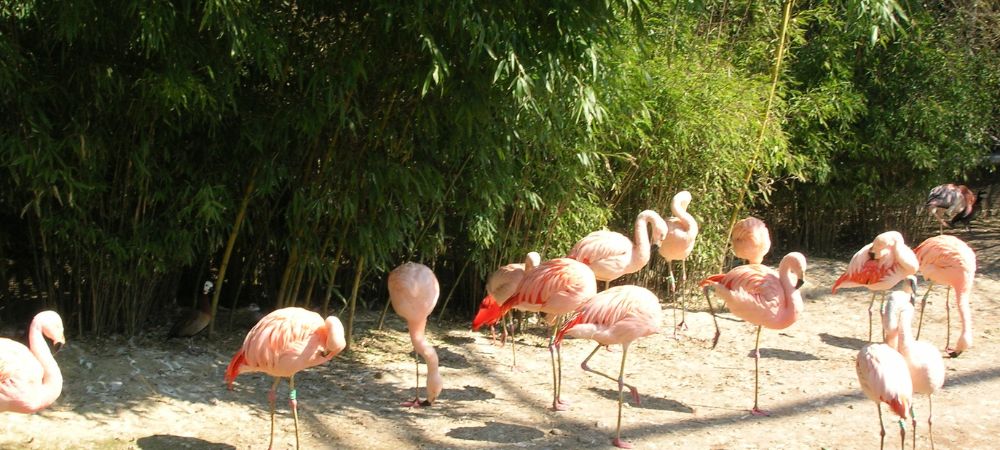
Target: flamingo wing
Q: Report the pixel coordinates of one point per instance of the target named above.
(608, 253)
(285, 341)
(946, 259)
(556, 286)
(503, 282)
(752, 292)
(615, 316)
(20, 376)
(884, 377)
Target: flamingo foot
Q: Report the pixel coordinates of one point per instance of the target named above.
(560, 406)
(415, 403)
(759, 412)
(952, 353)
(618, 442)
(635, 396)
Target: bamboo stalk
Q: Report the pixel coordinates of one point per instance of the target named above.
(240, 215)
(452, 290)
(760, 136)
(354, 301)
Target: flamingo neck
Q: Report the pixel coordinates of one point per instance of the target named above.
(679, 210)
(906, 338)
(640, 246)
(51, 378)
(792, 306)
(420, 345)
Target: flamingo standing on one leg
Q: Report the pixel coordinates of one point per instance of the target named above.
(281, 344)
(879, 266)
(30, 380)
(556, 287)
(751, 240)
(499, 287)
(763, 297)
(948, 260)
(618, 315)
(611, 255)
(885, 378)
(678, 244)
(923, 359)
(413, 291)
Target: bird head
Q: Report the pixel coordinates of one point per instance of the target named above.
(435, 384)
(335, 341)
(52, 327)
(884, 243)
(208, 287)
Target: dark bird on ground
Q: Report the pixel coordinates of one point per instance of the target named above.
(955, 201)
(196, 320)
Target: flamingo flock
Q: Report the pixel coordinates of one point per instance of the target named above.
(890, 372)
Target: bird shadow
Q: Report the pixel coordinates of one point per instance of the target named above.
(648, 401)
(787, 355)
(451, 339)
(496, 432)
(842, 342)
(469, 394)
(170, 442)
(448, 358)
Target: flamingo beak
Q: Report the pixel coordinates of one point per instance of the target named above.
(56, 346)
(798, 284)
(871, 255)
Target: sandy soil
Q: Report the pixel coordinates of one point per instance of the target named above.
(149, 393)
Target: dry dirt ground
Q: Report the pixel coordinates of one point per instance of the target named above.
(148, 393)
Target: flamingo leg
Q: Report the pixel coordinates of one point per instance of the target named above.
(715, 340)
(295, 407)
(913, 417)
(756, 377)
(947, 311)
(902, 434)
(930, 413)
(673, 292)
(513, 342)
(618, 442)
(923, 304)
(586, 367)
(556, 356)
(272, 398)
(683, 323)
(416, 388)
(881, 425)
(871, 305)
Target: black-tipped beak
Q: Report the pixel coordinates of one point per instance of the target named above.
(913, 288)
(425, 403)
(799, 283)
(871, 255)
(56, 346)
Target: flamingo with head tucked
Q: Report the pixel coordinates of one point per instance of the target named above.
(30, 379)
(281, 344)
(761, 296)
(499, 287)
(413, 291)
(879, 266)
(751, 240)
(611, 255)
(618, 315)
(556, 287)
(678, 244)
(948, 260)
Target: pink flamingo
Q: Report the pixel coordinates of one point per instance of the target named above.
(879, 266)
(948, 260)
(678, 244)
(281, 344)
(556, 287)
(618, 315)
(610, 254)
(413, 291)
(923, 359)
(751, 240)
(30, 380)
(885, 378)
(763, 297)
